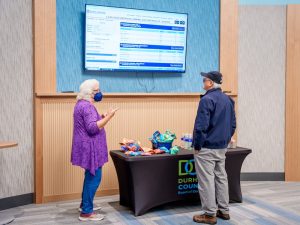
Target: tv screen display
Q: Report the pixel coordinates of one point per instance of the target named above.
(121, 39)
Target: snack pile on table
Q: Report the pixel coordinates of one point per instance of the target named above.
(161, 144)
(162, 139)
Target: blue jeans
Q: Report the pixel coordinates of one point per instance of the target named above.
(90, 185)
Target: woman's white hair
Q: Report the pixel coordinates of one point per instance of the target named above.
(86, 89)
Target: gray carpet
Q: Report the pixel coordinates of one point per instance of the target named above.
(265, 203)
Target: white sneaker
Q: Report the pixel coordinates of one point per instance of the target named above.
(96, 208)
(91, 217)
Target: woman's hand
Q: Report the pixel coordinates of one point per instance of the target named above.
(111, 112)
(106, 117)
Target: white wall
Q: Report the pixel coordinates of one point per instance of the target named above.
(261, 86)
(16, 108)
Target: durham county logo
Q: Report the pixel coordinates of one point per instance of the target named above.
(187, 179)
(186, 167)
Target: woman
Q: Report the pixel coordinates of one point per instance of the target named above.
(89, 148)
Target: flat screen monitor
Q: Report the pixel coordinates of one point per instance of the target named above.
(122, 39)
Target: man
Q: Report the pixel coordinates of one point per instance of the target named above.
(214, 126)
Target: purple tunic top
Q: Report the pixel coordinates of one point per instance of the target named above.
(89, 147)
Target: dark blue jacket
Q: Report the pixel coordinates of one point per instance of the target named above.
(215, 122)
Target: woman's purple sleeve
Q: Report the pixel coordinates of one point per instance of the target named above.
(90, 117)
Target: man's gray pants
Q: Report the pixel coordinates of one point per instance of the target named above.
(212, 180)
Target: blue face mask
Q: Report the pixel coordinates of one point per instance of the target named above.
(98, 96)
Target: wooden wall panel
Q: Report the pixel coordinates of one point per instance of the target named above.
(38, 151)
(44, 36)
(137, 118)
(229, 43)
(292, 132)
(44, 67)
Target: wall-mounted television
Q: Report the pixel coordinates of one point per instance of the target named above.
(122, 39)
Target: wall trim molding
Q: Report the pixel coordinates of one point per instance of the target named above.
(15, 201)
(129, 95)
(74, 196)
(264, 176)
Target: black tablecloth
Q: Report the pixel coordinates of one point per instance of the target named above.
(149, 181)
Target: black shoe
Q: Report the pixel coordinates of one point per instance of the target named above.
(224, 216)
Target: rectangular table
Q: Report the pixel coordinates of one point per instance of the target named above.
(149, 181)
